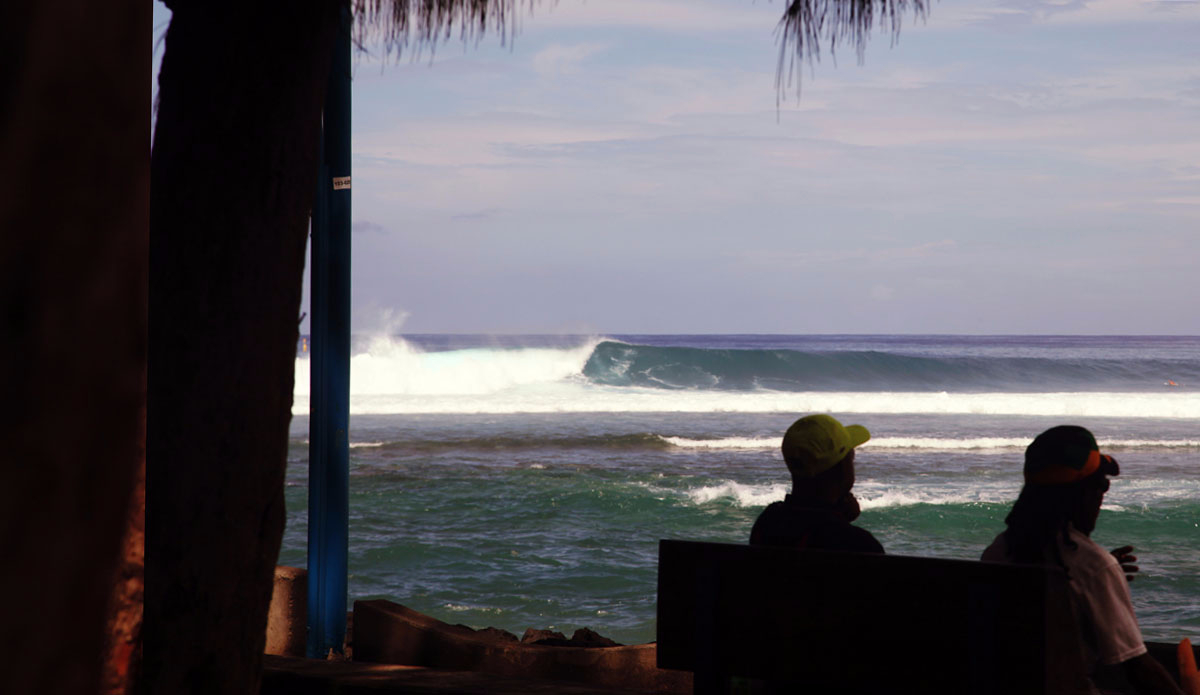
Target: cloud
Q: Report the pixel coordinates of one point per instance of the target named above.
(366, 226)
(477, 215)
(1015, 13)
(561, 59)
(483, 139)
(689, 16)
(882, 293)
(928, 250)
(851, 253)
(1034, 10)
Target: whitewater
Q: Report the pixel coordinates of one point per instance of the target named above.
(394, 376)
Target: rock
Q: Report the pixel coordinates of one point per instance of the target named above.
(584, 637)
(495, 633)
(533, 636)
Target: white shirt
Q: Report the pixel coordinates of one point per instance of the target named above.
(1100, 597)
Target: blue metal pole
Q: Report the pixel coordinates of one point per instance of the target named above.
(329, 409)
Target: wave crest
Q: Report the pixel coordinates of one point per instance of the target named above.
(622, 364)
(391, 366)
(393, 376)
(741, 494)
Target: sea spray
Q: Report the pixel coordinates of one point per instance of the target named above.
(392, 366)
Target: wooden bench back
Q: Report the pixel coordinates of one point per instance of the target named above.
(825, 622)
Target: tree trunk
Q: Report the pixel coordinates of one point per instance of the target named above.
(74, 176)
(232, 179)
(123, 653)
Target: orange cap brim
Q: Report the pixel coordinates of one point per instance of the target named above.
(1057, 475)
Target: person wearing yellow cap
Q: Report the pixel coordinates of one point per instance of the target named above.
(819, 453)
(1066, 477)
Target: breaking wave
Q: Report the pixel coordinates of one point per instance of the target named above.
(393, 376)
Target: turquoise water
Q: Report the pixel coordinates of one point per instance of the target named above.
(526, 483)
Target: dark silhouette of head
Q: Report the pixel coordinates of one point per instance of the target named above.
(1066, 477)
(819, 453)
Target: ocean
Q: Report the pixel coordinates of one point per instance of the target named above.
(524, 481)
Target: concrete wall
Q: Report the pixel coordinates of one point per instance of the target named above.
(389, 633)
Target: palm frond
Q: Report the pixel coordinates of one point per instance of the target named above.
(424, 23)
(803, 28)
(806, 23)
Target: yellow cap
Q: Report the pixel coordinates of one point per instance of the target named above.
(816, 443)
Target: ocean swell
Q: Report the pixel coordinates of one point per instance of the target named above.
(392, 376)
(583, 398)
(615, 363)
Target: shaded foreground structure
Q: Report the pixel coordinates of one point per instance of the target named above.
(164, 290)
(770, 619)
(836, 622)
(389, 643)
(218, 245)
(289, 676)
(233, 174)
(389, 633)
(74, 189)
(748, 620)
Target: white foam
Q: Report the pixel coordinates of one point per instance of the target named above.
(728, 443)
(1006, 444)
(870, 496)
(501, 382)
(365, 445)
(459, 608)
(973, 444)
(1149, 443)
(1141, 493)
(398, 371)
(977, 445)
(907, 497)
(1125, 495)
(741, 494)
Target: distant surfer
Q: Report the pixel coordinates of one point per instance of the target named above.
(1170, 383)
(1051, 522)
(819, 453)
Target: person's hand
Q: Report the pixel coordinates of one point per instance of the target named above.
(1127, 560)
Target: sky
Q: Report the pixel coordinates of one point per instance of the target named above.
(629, 166)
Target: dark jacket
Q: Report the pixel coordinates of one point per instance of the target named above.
(791, 525)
